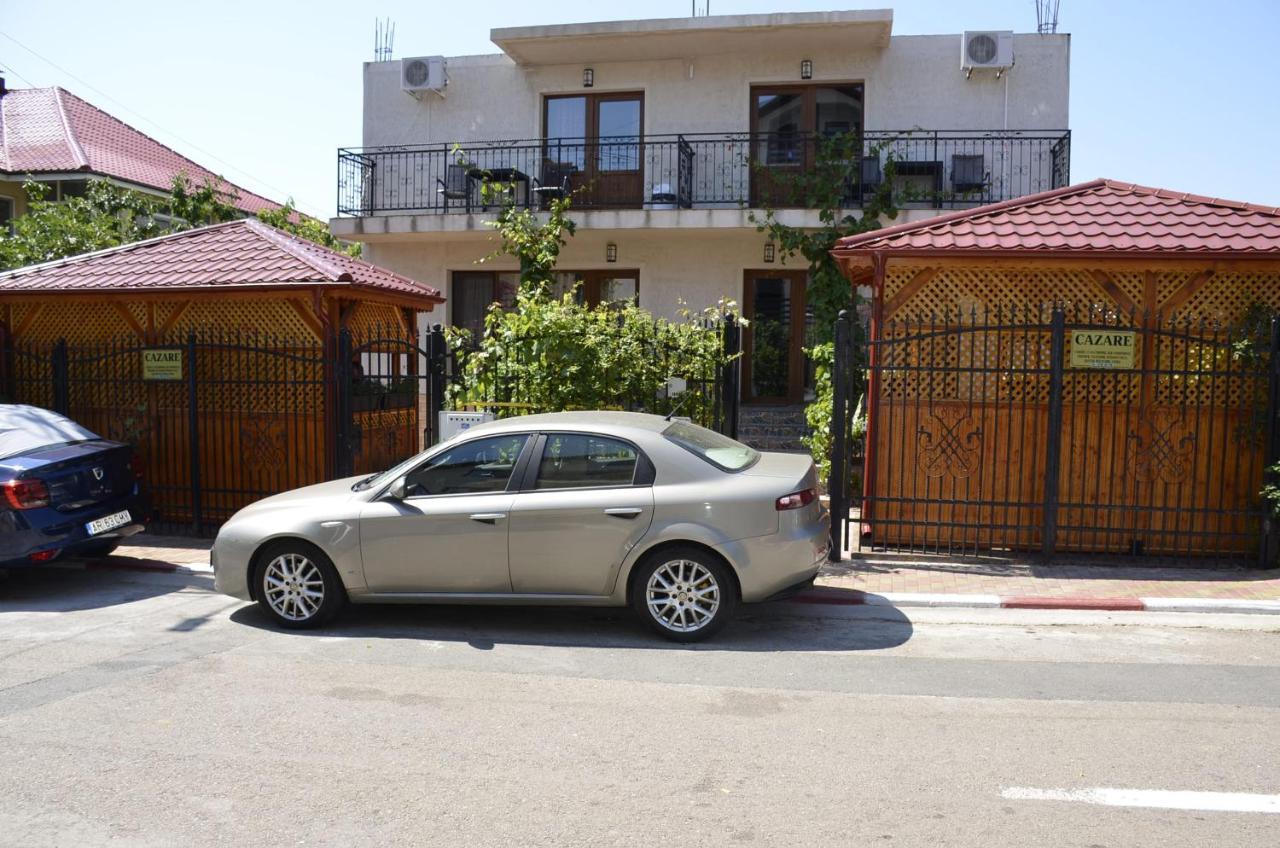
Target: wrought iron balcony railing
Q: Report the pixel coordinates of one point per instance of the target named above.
(936, 169)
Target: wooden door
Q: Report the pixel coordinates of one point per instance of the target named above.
(773, 303)
(597, 141)
(786, 123)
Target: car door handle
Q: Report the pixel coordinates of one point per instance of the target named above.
(488, 517)
(624, 511)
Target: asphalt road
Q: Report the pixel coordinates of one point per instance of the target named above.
(142, 709)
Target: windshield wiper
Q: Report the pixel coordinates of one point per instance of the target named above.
(361, 485)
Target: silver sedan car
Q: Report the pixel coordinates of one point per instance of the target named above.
(573, 508)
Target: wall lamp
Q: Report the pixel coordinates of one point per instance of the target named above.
(806, 69)
(610, 252)
(588, 77)
(768, 251)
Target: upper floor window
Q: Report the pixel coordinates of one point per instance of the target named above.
(6, 214)
(593, 141)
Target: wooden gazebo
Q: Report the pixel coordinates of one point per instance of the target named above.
(1084, 369)
(218, 351)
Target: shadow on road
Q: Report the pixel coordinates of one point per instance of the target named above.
(57, 589)
(758, 627)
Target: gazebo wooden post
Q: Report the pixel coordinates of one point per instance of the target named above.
(873, 391)
(333, 424)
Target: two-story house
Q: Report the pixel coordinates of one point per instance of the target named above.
(669, 132)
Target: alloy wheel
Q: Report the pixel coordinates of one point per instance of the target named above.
(294, 587)
(683, 595)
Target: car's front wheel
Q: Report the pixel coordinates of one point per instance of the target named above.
(298, 585)
(684, 594)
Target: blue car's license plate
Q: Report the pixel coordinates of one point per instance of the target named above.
(108, 522)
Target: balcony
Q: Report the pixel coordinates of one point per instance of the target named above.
(930, 169)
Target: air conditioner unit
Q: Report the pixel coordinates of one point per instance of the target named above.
(423, 73)
(986, 49)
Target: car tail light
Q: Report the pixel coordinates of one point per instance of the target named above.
(25, 494)
(43, 556)
(135, 465)
(795, 500)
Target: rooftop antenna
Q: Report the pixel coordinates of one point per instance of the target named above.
(705, 11)
(1047, 16)
(384, 37)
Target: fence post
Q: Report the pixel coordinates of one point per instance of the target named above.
(436, 362)
(6, 365)
(731, 397)
(193, 435)
(1053, 445)
(1267, 547)
(61, 378)
(342, 406)
(838, 474)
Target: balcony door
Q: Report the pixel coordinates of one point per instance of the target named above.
(773, 303)
(786, 121)
(596, 141)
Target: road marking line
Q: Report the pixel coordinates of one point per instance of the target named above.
(1223, 802)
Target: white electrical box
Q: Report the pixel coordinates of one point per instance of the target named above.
(453, 423)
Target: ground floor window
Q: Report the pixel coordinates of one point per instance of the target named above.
(474, 291)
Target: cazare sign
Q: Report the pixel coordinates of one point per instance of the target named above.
(1102, 348)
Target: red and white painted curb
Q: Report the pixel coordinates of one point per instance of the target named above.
(854, 597)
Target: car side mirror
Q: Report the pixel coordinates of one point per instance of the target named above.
(398, 490)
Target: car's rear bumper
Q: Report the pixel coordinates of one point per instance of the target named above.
(768, 566)
(66, 533)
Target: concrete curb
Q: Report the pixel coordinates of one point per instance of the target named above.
(830, 595)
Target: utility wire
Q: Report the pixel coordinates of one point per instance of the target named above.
(274, 189)
(10, 69)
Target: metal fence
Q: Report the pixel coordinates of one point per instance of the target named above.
(1057, 429)
(932, 168)
(221, 419)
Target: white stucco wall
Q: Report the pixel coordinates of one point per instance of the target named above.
(915, 82)
(697, 267)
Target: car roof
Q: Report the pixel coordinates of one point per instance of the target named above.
(601, 420)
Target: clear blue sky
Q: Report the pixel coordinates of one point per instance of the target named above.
(1181, 94)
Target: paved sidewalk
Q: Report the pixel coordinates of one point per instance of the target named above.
(1028, 579)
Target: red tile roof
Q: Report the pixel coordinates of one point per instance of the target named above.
(1103, 216)
(237, 254)
(50, 130)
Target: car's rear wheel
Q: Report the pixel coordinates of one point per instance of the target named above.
(684, 593)
(298, 586)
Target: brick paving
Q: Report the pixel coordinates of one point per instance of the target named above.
(1031, 579)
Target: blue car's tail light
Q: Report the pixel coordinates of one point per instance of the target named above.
(25, 494)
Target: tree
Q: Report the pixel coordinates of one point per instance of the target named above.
(108, 215)
(534, 243)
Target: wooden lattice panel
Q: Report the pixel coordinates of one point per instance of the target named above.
(274, 318)
(376, 320)
(973, 290)
(1228, 296)
(76, 321)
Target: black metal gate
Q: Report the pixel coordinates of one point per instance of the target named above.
(1058, 429)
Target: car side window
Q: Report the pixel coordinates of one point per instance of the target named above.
(579, 461)
(482, 465)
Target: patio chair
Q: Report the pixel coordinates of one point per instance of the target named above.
(456, 185)
(554, 183)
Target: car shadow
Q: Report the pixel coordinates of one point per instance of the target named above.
(772, 627)
(61, 589)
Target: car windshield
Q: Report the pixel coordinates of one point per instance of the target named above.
(721, 451)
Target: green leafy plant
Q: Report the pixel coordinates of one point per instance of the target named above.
(554, 354)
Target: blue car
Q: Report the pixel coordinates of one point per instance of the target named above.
(63, 490)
